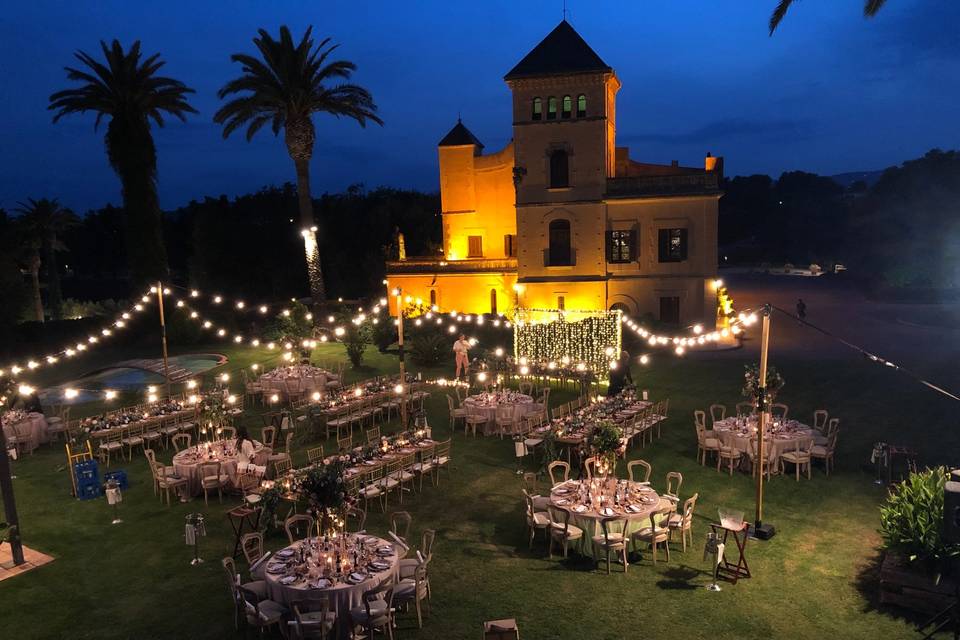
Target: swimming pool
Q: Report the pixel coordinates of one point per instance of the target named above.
(120, 378)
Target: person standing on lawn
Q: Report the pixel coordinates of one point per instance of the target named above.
(461, 349)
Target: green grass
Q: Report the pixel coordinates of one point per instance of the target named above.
(815, 577)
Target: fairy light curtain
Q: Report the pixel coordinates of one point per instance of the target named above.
(554, 335)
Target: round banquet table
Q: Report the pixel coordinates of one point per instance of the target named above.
(644, 501)
(482, 405)
(282, 382)
(344, 595)
(34, 426)
(187, 463)
(778, 439)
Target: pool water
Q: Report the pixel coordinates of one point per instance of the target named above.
(90, 387)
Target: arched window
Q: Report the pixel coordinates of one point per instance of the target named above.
(560, 243)
(581, 105)
(493, 301)
(551, 108)
(433, 298)
(559, 169)
(537, 109)
(619, 306)
(567, 106)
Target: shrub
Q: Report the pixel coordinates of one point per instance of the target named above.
(429, 349)
(356, 339)
(384, 334)
(911, 520)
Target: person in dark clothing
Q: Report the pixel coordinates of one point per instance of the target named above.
(617, 376)
(625, 363)
(801, 309)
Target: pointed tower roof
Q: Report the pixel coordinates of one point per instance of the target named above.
(458, 136)
(562, 52)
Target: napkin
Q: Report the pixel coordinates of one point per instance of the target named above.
(357, 577)
(580, 508)
(607, 511)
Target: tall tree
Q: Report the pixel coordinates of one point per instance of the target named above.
(870, 9)
(128, 91)
(43, 222)
(285, 88)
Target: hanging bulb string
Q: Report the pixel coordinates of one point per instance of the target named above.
(868, 354)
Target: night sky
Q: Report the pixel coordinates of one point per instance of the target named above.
(830, 92)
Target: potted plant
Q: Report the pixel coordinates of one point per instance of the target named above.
(917, 555)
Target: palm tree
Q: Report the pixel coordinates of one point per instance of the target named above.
(285, 89)
(870, 9)
(42, 223)
(28, 255)
(127, 90)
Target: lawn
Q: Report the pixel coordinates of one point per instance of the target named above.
(816, 577)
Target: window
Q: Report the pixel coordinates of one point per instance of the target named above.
(433, 298)
(559, 243)
(474, 246)
(673, 245)
(559, 169)
(567, 106)
(493, 301)
(561, 303)
(510, 245)
(551, 108)
(581, 105)
(670, 309)
(537, 109)
(622, 246)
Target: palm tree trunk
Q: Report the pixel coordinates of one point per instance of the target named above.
(54, 293)
(311, 250)
(133, 156)
(35, 284)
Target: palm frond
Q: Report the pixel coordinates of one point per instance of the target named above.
(871, 7)
(778, 13)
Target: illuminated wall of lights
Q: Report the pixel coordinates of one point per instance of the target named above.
(589, 337)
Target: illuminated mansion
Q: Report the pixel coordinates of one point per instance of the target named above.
(562, 218)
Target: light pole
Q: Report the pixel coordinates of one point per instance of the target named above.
(403, 377)
(163, 338)
(762, 531)
(9, 503)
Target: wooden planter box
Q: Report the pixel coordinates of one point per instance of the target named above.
(911, 587)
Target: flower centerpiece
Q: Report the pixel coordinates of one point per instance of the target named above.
(212, 417)
(605, 444)
(325, 490)
(751, 382)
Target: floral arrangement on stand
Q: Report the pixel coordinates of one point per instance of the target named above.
(605, 444)
(751, 382)
(325, 491)
(212, 417)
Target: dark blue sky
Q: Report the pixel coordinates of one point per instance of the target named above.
(830, 92)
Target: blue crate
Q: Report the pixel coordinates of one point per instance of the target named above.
(87, 470)
(89, 490)
(119, 476)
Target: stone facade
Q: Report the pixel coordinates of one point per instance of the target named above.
(561, 218)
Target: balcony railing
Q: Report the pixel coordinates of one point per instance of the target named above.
(650, 186)
(430, 264)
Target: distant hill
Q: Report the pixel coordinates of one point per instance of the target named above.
(846, 179)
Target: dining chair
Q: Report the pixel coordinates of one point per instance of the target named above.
(820, 417)
(561, 531)
(683, 521)
(825, 452)
(779, 411)
(536, 520)
(212, 478)
(260, 613)
(268, 436)
(670, 497)
(314, 618)
(414, 590)
(182, 441)
(655, 534)
(611, 541)
(645, 470)
(375, 611)
(298, 527)
(553, 467)
(745, 409)
(799, 457)
(315, 455)
(717, 412)
(505, 629)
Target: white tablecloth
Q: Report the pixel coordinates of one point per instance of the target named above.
(34, 426)
(344, 595)
(523, 406)
(730, 432)
(185, 465)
